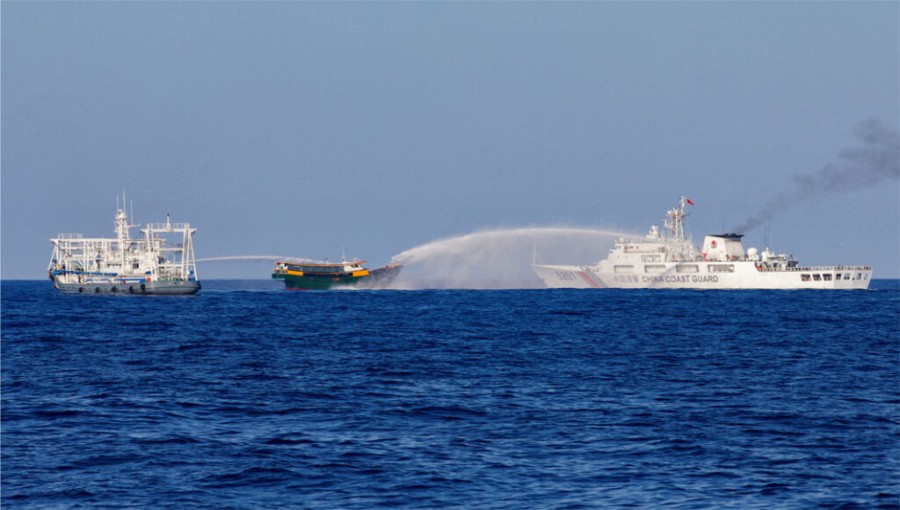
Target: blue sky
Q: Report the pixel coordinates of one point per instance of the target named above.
(316, 129)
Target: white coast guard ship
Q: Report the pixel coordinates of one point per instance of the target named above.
(161, 261)
(671, 261)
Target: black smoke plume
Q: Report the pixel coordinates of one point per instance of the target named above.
(876, 159)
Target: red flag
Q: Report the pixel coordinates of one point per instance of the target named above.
(689, 201)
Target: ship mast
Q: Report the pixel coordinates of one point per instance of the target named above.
(122, 226)
(675, 222)
(122, 230)
(683, 248)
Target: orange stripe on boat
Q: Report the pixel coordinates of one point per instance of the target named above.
(589, 279)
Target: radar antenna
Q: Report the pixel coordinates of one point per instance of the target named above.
(675, 222)
(683, 248)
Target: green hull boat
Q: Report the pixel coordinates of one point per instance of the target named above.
(324, 275)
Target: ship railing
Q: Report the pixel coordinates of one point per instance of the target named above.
(830, 268)
(820, 269)
(85, 273)
(69, 236)
(167, 226)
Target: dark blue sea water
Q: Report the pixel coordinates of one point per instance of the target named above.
(249, 396)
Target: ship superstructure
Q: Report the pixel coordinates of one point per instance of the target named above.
(160, 261)
(671, 260)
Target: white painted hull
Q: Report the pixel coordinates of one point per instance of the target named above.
(569, 277)
(703, 275)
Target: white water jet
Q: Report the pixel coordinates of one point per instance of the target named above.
(500, 258)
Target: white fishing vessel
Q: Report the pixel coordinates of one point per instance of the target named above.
(161, 261)
(672, 261)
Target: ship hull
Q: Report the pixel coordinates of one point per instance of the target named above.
(568, 277)
(379, 278)
(702, 275)
(176, 287)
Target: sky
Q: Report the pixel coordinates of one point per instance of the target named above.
(321, 130)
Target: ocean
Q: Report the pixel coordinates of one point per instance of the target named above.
(247, 396)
